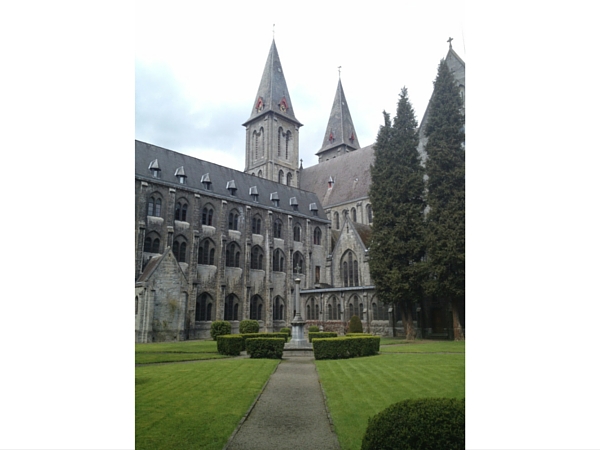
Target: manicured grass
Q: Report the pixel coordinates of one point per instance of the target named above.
(201, 346)
(196, 405)
(359, 388)
(424, 346)
(176, 351)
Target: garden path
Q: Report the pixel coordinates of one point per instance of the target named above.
(290, 412)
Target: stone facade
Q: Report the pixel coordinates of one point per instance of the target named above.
(213, 243)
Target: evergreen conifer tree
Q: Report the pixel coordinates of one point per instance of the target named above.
(397, 196)
(445, 219)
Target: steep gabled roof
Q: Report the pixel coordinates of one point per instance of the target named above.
(351, 175)
(340, 129)
(273, 94)
(155, 263)
(362, 233)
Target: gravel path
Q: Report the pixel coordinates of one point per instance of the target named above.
(290, 412)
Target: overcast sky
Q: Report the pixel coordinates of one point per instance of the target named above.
(198, 67)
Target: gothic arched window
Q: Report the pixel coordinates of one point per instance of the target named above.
(181, 211)
(207, 215)
(297, 233)
(256, 222)
(277, 225)
(204, 307)
(278, 261)
(317, 236)
(233, 220)
(289, 178)
(349, 268)
(206, 253)
(231, 307)
(298, 261)
(256, 258)
(336, 220)
(256, 307)
(179, 248)
(232, 255)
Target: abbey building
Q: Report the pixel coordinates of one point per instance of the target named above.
(213, 243)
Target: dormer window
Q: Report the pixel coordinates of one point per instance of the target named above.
(275, 199)
(205, 180)
(330, 183)
(154, 168)
(180, 175)
(294, 203)
(313, 208)
(231, 187)
(254, 193)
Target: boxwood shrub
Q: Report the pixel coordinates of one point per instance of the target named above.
(279, 335)
(265, 347)
(219, 328)
(313, 329)
(230, 344)
(320, 334)
(345, 347)
(249, 326)
(436, 423)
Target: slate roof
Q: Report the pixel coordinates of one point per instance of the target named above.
(351, 174)
(195, 169)
(340, 128)
(273, 94)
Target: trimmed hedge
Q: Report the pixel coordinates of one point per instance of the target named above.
(345, 347)
(249, 326)
(265, 347)
(313, 329)
(230, 344)
(436, 423)
(279, 335)
(320, 334)
(219, 328)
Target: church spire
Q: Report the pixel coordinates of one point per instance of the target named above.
(340, 136)
(272, 92)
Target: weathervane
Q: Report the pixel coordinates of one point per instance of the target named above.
(273, 31)
(449, 41)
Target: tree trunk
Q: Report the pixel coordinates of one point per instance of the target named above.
(407, 321)
(459, 335)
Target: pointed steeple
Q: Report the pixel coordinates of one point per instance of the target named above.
(340, 136)
(272, 92)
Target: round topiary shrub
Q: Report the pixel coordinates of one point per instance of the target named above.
(313, 329)
(427, 423)
(355, 325)
(219, 328)
(249, 326)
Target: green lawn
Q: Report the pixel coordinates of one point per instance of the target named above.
(359, 388)
(176, 351)
(391, 345)
(196, 405)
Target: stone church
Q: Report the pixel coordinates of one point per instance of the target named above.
(213, 243)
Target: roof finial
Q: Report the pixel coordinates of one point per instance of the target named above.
(340, 72)
(273, 31)
(449, 41)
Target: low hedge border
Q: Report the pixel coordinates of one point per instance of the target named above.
(345, 347)
(279, 335)
(230, 344)
(320, 334)
(265, 347)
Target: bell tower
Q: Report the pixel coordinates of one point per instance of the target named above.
(272, 131)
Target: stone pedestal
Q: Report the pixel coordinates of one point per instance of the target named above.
(298, 344)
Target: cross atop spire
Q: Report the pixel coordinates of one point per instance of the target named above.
(340, 72)
(449, 41)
